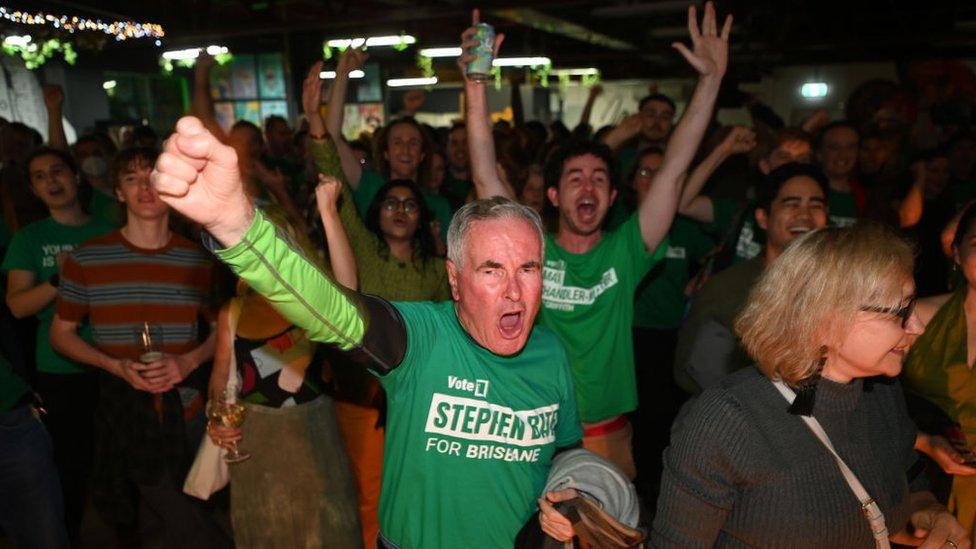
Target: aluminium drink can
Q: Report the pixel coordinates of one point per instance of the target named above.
(480, 67)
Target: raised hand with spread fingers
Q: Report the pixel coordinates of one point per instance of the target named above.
(710, 50)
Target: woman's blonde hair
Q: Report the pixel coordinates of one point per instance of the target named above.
(808, 297)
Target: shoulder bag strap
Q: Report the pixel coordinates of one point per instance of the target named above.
(868, 506)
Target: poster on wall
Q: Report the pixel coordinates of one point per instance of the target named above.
(362, 118)
(220, 85)
(269, 108)
(248, 110)
(244, 80)
(271, 78)
(224, 112)
(369, 88)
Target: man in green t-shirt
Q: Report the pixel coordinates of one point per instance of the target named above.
(650, 127)
(405, 149)
(791, 201)
(743, 239)
(479, 400)
(32, 264)
(590, 274)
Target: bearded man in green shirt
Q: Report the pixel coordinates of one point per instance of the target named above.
(479, 400)
(591, 275)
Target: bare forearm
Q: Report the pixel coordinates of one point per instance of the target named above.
(659, 206)
(912, 206)
(481, 146)
(56, 138)
(337, 104)
(351, 167)
(699, 176)
(31, 301)
(204, 351)
(688, 134)
(341, 256)
(616, 137)
(66, 341)
(694, 204)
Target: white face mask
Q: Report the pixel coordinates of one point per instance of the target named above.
(94, 166)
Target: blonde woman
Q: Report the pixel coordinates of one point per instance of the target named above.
(829, 323)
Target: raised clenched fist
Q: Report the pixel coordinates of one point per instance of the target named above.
(198, 176)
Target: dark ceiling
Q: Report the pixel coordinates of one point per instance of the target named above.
(624, 38)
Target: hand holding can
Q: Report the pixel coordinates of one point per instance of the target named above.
(479, 46)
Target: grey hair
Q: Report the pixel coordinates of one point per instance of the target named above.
(496, 207)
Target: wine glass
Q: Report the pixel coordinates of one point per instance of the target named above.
(151, 343)
(227, 411)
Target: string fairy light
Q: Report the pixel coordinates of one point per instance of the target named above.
(35, 53)
(120, 30)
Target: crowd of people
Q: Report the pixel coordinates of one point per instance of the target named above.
(663, 332)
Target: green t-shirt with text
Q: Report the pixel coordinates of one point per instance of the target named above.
(588, 300)
(661, 300)
(470, 435)
(728, 216)
(35, 248)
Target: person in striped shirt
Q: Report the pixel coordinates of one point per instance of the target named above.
(149, 416)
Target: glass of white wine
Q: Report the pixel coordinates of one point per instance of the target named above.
(228, 412)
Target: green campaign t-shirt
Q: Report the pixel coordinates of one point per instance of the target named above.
(35, 248)
(728, 216)
(588, 300)
(841, 208)
(371, 182)
(661, 300)
(470, 435)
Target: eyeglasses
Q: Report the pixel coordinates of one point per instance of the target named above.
(904, 313)
(409, 205)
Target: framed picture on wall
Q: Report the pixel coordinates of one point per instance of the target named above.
(271, 77)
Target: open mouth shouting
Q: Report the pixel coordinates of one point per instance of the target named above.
(510, 324)
(586, 210)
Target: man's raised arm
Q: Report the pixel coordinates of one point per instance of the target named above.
(481, 144)
(352, 59)
(709, 56)
(198, 176)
